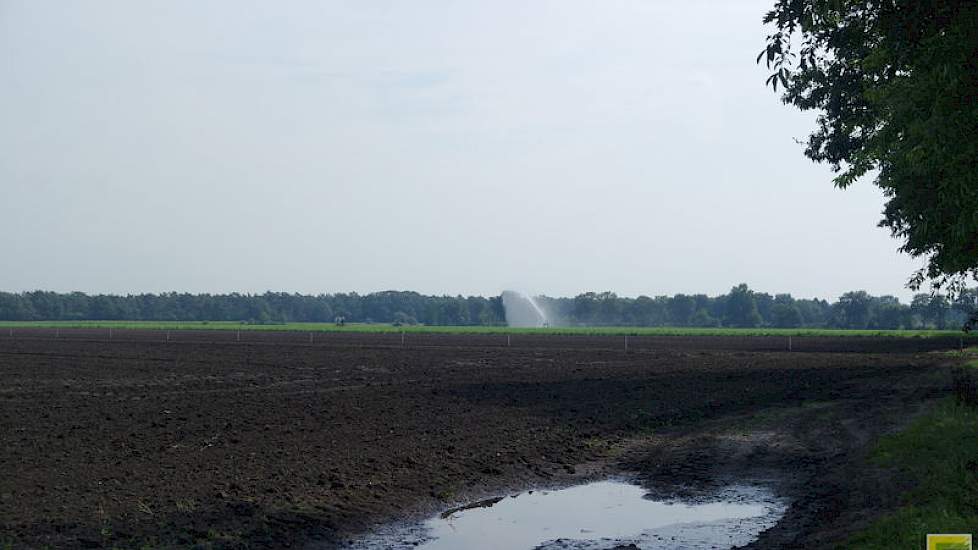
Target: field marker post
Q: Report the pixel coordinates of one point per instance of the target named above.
(11, 332)
(789, 342)
(57, 332)
(509, 341)
(110, 333)
(168, 336)
(402, 338)
(961, 343)
(239, 335)
(310, 337)
(626, 343)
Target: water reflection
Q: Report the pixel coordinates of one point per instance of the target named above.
(595, 516)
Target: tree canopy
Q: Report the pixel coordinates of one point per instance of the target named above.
(741, 307)
(895, 83)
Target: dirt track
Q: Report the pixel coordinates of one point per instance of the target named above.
(275, 442)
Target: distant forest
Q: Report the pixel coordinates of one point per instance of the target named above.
(741, 307)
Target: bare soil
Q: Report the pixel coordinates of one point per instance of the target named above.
(276, 442)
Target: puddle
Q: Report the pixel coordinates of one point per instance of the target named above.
(596, 516)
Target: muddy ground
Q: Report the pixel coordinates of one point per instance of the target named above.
(276, 442)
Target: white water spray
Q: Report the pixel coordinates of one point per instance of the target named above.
(522, 310)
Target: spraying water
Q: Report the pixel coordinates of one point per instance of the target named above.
(523, 310)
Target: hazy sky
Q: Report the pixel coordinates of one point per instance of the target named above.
(438, 146)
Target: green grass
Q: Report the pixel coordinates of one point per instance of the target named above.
(940, 452)
(386, 328)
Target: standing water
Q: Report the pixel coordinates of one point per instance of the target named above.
(596, 516)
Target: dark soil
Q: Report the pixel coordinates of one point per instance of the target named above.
(275, 442)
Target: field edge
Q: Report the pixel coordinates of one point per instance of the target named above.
(380, 328)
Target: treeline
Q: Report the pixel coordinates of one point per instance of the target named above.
(741, 307)
(267, 308)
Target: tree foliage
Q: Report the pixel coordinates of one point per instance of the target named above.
(896, 86)
(741, 307)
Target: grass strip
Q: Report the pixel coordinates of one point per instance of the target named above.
(939, 451)
(569, 331)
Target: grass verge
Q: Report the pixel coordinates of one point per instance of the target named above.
(570, 331)
(939, 451)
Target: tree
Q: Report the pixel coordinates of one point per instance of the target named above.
(853, 310)
(895, 84)
(892, 316)
(647, 312)
(609, 308)
(765, 302)
(702, 318)
(741, 308)
(15, 307)
(585, 307)
(681, 309)
(937, 310)
(966, 304)
(401, 318)
(784, 315)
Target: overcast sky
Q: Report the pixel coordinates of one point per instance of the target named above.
(438, 146)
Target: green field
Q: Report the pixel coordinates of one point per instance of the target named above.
(386, 328)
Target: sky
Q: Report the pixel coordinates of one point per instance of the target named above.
(442, 146)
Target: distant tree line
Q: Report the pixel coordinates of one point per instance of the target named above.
(267, 308)
(745, 308)
(741, 307)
